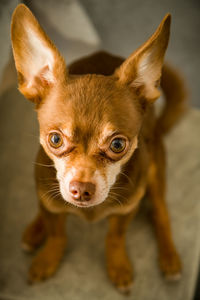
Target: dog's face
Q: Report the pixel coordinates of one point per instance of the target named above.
(89, 129)
(89, 124)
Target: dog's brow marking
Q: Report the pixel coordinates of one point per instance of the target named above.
(68, 132)
(107, 131)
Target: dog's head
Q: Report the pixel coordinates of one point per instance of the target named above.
(89, 124)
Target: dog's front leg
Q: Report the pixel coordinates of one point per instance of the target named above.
(168, 257)
(118, 263)
(34, 235)
(49, 256)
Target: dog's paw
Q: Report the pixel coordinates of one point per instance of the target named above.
(171, 267)
(34, 235)
(121, 275)
(46, 262)
(41, 269)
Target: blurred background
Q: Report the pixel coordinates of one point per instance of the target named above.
(80, 27)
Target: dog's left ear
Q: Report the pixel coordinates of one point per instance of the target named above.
(142, 70)
(39, 64)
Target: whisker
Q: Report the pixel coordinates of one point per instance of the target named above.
(56, 194)
(51, 184)
(118, 195)
(55, 188)
(50, 179)
(119, 188)
(129, 179)
(116, 199)
(50, 192)
(43, 165)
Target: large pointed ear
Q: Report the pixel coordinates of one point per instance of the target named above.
(39, 64)
(142, 70)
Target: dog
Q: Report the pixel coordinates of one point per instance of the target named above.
(101, 144)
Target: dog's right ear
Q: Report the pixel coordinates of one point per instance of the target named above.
(39, 64)
(143, 68)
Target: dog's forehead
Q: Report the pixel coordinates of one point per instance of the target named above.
(92, 94)
(91, 106)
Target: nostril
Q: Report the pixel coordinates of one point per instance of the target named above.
(76, 195)
(86, 194)
(74, 192)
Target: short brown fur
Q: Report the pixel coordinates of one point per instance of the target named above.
(95, 92)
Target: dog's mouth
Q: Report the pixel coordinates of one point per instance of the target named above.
(84, 204)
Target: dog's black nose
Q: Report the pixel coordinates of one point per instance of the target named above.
(81, 191)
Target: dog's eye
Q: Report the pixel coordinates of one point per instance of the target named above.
(55, 140)
(118, 145)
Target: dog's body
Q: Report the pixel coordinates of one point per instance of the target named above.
(102, 147)
(136, 168)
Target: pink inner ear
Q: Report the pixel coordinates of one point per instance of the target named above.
(36, 87)
(45, 76)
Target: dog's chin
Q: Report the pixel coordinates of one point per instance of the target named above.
(84, 204)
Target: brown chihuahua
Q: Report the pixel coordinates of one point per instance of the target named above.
(101, 143)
